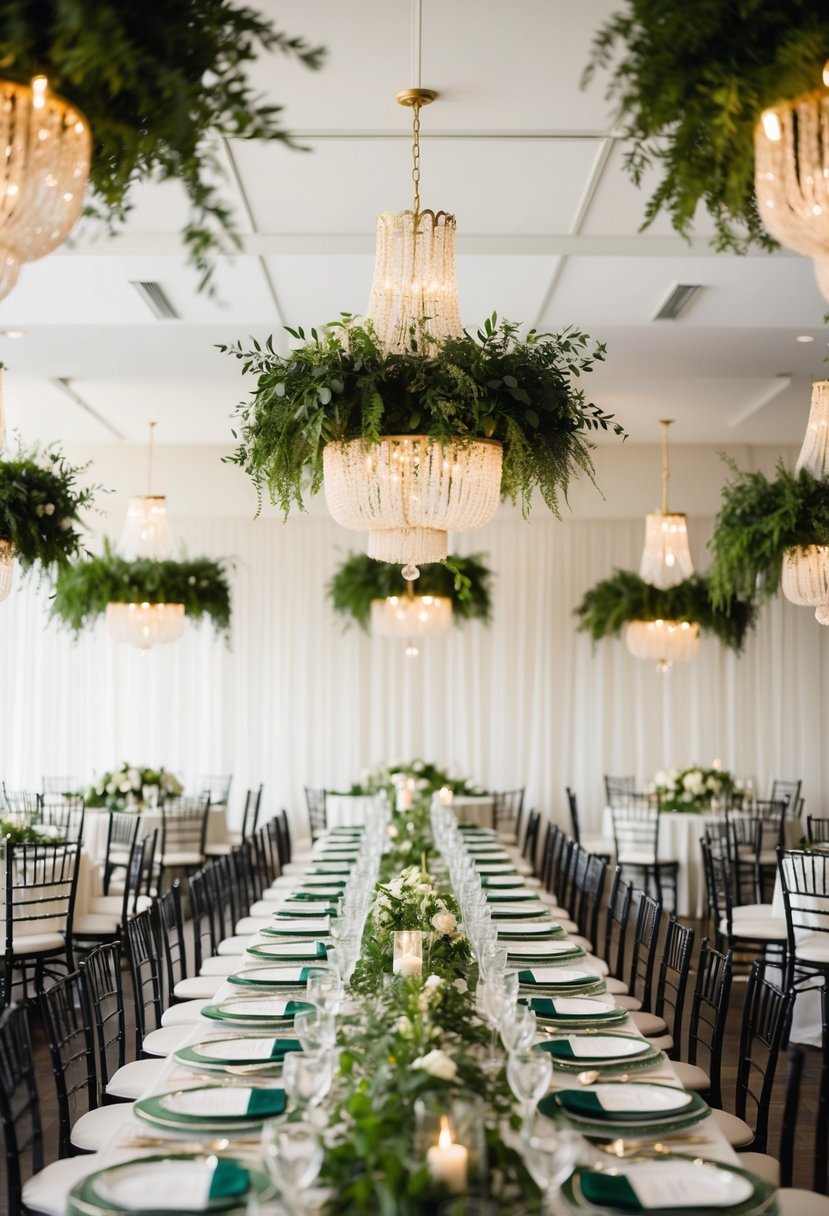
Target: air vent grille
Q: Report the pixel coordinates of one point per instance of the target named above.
(156, 299)
(678, 300)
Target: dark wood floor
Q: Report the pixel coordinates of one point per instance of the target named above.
(805, 1144)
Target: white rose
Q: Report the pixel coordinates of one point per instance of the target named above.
(460, 986)
(432, 982)
(49, 509)
(660, 779)
(444, 923)
(403, 1027)
(392, 831)
(134, 777)
(406, 846)
(437, 1064)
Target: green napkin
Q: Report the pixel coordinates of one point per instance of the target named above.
(322, 882)
(302, 910)
(294, 1007)
(265, 1103)
(229, 1179)
(560, 1049)
(310, 895)
(609, 1191)
(513, 896)
(585, 1102)
(517, 881)
(545, 1007)
(281, 1047)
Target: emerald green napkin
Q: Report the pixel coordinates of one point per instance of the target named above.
(560, 1049)
(513, 896)
(311, 896)
(609, 1191)
(322, 882)
(229, 1179)
(517, 881)
(266, 1103)
(302, 910)
(545, 1007)
(281, 1047)
(292, 1008)
(585, 1102)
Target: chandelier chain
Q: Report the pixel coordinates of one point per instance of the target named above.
(416, 156)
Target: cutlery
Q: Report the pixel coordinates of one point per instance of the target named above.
(590, 1075)
(624, 1148)
(223, 1144)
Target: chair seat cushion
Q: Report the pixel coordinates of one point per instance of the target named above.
(184, 858)
(662, 1042)
(600, 846)
(237, 944)
(648, 1024)
(615, 986)
(198, 987)
(636, 857)
(750, 911)
(691, 1076)
(792, 1201)
(814, 948)
(95, 1129)
(112, 904)
(625, 1001)
(134, 1078)
(762, 1164)
(596, 964)
(736, 1131)
(48, 1190)
(772, 929)
(37, 943)
(220, 964)
(166, 1040)
(218, 850)
(184, 1014)
(96, 925)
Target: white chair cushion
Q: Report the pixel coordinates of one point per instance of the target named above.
(625, 1001)
(765, 1166)
(596, 964)
(184, 1014)
(112, 904)
(94, 925)
(792, 1201)
(691, 1076)
(133, 1079)
(218, 850)
(198, 987)
(751, 912)
(736, 1131)
(648, 1024)
(166, 1040)
(814, 948)
(94, 1130)
(36, 943)
(237, 944)
(599, 845)
(770, 930)
(636, 857)
(48, 1190)
(615, 986)
(171, 860)
(220, 964)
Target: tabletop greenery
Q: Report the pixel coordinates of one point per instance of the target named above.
(83, 590)
(615, 602)
(129, 786)
(690, 92)
(160, 85)
(693, 789)
(758, 521)
(16, 833)
(40, 505)
(361, 579)
(340, 385)
(427, 779)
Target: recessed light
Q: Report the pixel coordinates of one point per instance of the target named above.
(804, 338)
(15, 333)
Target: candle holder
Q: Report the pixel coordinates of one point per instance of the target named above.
(407, 959)
(450, 1137)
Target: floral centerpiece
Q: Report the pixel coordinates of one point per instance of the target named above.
(693, 789)
(23, 833)
(132, 787)
(411, 901)
(425, 778)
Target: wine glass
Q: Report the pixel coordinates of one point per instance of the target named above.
(293, 1156)
(316, 1029)
(325, 989)
(529, 1074)
(549, 1153)
(518, 1027)
(307, 1076)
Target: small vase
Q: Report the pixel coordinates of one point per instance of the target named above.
(407, 959)
(450, 1137)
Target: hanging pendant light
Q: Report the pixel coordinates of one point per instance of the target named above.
(6, 549)
(43, 173)
(408, 492)
(805, 573)
(146, 534)
(791, 175)
(666, 562)
(411, 616)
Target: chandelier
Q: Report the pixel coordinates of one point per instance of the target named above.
(6, 549)
(805, 574)
(791, 175)
(663, 642)
(666, 558)
(146, 535)
(411, 616)
(43, 173)
(408, 492)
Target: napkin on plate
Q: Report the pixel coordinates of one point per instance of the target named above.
(229, 1179)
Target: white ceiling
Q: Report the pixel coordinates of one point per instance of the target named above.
(547, 235)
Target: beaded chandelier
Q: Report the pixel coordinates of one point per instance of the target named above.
(663, 642)
(43, 173)
(411, 617)
(805, 574)
(791, 175)
(666, 558)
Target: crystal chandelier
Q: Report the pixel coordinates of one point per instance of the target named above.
(147, 535)
(43, 173)
(666, 558)
(663, 642)
(791, 175)
(411, 616)
(409, 491)
(805, 574)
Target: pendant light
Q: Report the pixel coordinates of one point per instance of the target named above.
(6, 549)
(411, 617)
(805, 574)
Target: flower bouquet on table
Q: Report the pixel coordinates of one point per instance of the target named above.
(694, 789)
(418, 777)
(132, 787)
(412, 901)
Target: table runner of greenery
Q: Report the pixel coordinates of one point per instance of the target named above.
(410, 1038)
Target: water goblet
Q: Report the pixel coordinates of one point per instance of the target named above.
(293, 1156)
(307, 1076)
(529, 1074)
(325, 989)
(518, 1027)
(316, 1029)
(549, 1153)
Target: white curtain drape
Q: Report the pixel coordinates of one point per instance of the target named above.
(296, 699)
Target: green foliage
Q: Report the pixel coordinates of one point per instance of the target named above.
(690, 92)
(361, 579)
(614, 602)
(40, 504)
(15, 833)
(160, 84)
(340, 385)
(758, 521)
(84, 589)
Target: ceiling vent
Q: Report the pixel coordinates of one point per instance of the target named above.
(155, 298)
(678, 300)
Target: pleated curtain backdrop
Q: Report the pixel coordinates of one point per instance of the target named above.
(295, 699)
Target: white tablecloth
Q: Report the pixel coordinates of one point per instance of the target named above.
(480, 810)
(96, 823)
(347, 810)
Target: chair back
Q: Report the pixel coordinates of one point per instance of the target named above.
(59, 788)
(145, 973)
(25, 803)
(590, 900)
(574, 813)
(817, 830)
(169, 934)
(765, 1027)
(104, 1009)
(204, 935)
(216, 789)
(281, 828)
(553, 840)
(40, 884)
(643, 954)
(66, 818)
(804, 879)
(719, 887)
(253, 805)
(529, 848)
(746, 840)
(672, 982)
(787, 792)
(183, 829)
(315, 801)
(616, 924)
(122, 833)
(709, 1011)
(19, 1105)
(636, 828)
(72, 1051)
(618, 788)
(507, 809)
(773, 814)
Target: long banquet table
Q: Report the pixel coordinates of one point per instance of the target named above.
(173, 1076)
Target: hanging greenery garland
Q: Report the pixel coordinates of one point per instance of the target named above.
(690, 91)
(160, 85)
(40, 505)
(615, 602)
(84, 589)
(360, 579)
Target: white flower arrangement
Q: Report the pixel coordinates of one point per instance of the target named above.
(693, 789)
(437, 1064)
(130, 785)
(411, 901)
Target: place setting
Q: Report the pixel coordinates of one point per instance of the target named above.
(180, 1182)
(610, 1051)
(622, 1110)
(665, 1185)
(560, 979)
